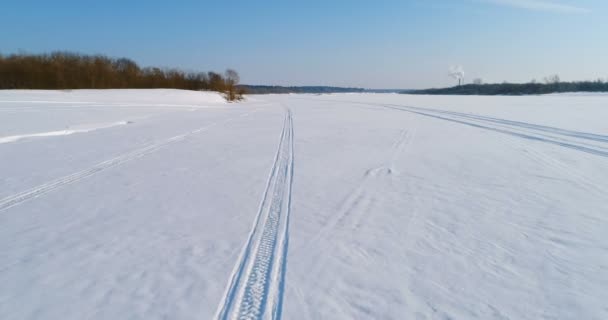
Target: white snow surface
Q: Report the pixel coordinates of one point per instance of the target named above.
(168, 204)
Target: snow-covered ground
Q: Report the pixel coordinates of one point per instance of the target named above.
(166, 204)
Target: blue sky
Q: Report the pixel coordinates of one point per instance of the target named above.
(374, 44)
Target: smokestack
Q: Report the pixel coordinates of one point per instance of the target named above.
(457, 72)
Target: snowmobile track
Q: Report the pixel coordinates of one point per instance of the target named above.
(255, 290)
(509, 130)
(550, 135)
(21, 197)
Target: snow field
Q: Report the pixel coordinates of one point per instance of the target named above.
(345, 206)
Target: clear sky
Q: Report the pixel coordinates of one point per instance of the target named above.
(373, 44)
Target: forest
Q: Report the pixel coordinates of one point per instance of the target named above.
(260, 89)
(67, 70)
(532, 88)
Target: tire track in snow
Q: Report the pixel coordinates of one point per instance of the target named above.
(519, 124)
(535, 137)
(21, 197)
(582, 139)
(558, 167)
(519, 129)
(255, 290)
(542, 132)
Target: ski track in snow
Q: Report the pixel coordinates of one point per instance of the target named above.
(44, 188)
(523, 130)
(514, 128)
(556, 165)
(546, 134)
(356, 212)
(541, 132)
(364, 198)
(255, 290)
(65, 132)
(541, 128)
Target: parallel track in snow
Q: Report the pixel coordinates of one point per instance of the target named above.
(586, 142)
(523, 125)
(559, 137)
(255, 289)
(29, 194)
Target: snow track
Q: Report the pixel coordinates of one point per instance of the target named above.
(578, 141)
(44, 188)
(590, 143)
(65, 132)
(255, 290)
(377, 184)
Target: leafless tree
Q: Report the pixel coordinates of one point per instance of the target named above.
(232, 80)
(232, 77)
(553, 79)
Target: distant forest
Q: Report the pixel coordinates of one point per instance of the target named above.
(252, 89)
(66, 70)
(532, 88)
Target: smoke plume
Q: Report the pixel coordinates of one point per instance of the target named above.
(457, 72)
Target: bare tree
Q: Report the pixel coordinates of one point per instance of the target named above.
(232, 77)
(478, 81)
(232, 80)
(553, 79)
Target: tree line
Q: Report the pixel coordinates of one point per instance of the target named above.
(551, 85)
(260, 89)
(66, 70)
